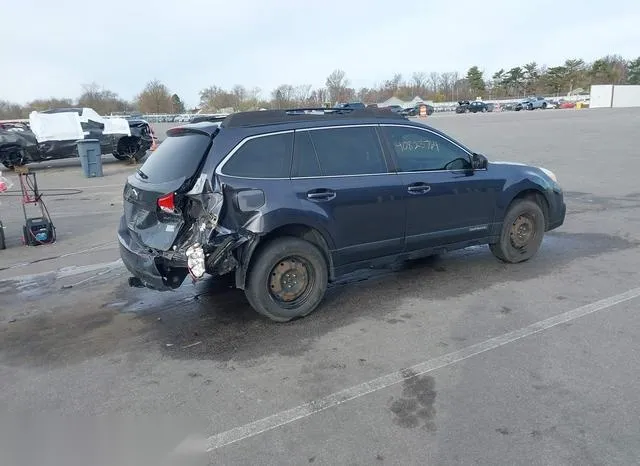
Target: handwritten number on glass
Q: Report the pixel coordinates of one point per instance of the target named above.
(411, 146)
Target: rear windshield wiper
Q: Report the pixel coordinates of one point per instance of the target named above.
(142, 175)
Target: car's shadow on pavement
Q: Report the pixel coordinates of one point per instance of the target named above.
(219, 324)
(213, 321)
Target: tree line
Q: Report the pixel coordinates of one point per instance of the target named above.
(573, 75)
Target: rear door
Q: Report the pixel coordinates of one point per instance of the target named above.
(154, 197)
(341, 174)
(446, 200)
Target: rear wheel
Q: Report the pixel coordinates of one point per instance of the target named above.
(288, 279)
(130, 148)
(522, 232)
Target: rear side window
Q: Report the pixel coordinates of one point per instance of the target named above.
(262, 157)
(177, 157)
(348, 151)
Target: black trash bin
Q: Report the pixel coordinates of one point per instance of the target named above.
(90, 157)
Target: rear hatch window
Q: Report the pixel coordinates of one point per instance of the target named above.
(176, 158)
(154, 197)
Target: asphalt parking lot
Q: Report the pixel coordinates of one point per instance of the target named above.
(458, 359)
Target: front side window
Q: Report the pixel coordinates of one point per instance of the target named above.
(262, 157)
(420, 150)
(348, 151)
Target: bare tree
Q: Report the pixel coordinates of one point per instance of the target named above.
(434, 81)
(283, 96)
(155, 98)
(45, 104)
(9, 110)
(318, 97)
(302, 94)
(419, 81)
(337, 84)
(102, 100)
(214, 98)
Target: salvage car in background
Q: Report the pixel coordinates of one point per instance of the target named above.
(19, 144)
(464, 106)
(532, 103)
(415, 110)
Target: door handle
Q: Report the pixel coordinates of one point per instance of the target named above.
(321, 195)
(418, 188)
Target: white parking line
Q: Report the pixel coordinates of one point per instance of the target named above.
(299, 412)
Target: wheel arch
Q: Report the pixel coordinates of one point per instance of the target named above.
(533, 194)
(297, 230)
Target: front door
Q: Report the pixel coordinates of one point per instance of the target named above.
(447, 201)
(341, 174)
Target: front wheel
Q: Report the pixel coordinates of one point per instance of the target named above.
(288, 279)
(522, 232)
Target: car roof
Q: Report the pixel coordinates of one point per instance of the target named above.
(308, 117)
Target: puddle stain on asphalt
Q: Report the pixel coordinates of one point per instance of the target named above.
(416, 406)
(101, 317)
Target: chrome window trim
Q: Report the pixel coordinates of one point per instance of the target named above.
(221, 165)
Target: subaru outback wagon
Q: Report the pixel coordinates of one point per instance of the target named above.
(289, 201)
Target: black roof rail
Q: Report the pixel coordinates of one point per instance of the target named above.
(211, 118)
(269, 117)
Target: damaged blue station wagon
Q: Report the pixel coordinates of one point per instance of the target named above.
(289, 200)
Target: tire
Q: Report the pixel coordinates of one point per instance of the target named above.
(511, 248)
(529, 107)
(267, 267)
(544, 106)
(130, 148)
(3, 244)
(484, 110)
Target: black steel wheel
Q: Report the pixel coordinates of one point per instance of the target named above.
(287, 279)
(522, 232)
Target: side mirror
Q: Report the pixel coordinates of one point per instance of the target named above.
(479, 161)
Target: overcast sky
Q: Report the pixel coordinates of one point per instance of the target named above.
(51, 47)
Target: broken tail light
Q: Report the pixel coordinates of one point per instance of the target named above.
(167, 203)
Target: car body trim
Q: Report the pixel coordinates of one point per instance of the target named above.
(220, 166)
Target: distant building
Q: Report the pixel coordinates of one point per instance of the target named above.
(404, 103)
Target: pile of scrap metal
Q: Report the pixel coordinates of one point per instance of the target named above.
(28, 141)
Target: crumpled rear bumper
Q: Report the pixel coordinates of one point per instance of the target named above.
(141, 263)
